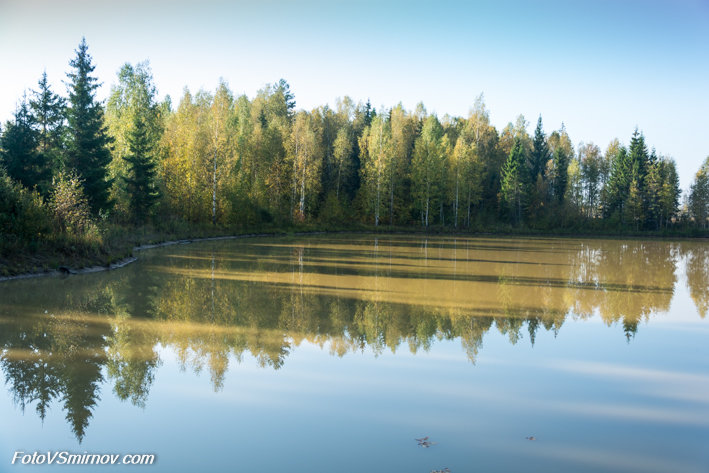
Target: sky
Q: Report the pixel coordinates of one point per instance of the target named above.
(601, 67)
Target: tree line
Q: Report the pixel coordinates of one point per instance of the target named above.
(70, 162)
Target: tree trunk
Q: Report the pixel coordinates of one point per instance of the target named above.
(339, 173)
(467, 223)
(391, 202)
(295, 179)
(302, 187)
(456, 199)
(214, 189)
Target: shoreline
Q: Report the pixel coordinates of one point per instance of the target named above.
(63, 270)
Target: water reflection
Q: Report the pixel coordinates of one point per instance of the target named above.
(62, 339)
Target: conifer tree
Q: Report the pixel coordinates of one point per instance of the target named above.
(633, 208)
(19, 153)
(48, 110)
(512, 186)
(140, 181)
(561, 177)
(615, 193)
(639, 166)
(88, 142)
(540, 153)
(134, 94)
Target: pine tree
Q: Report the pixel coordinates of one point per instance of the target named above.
(88, 142)
(19, 151)
(140, 182)
(48, 110)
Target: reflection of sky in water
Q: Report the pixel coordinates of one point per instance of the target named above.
(594, 400)
(592, 406)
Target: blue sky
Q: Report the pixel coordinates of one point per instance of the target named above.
(601, 67)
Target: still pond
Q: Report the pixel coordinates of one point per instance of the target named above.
(334, 353)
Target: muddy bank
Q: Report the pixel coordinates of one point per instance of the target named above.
(64, 270)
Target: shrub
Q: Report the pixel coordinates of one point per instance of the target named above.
(70, 206)
(23, 215)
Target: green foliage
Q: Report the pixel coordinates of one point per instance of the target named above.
(69, 205)
(141, 174)
(513, 182)
(219, 160)
(616, 191)
(591, 163)
(133, 98)
(376, 161)
(88, 153)
(699, 196)
(305, 156)
(428, 168)
(23, 215)
(561, 176)
(342, 154)
(669, 192)
(540, 153)
(334, 210)
(19, 152)
(49, 112)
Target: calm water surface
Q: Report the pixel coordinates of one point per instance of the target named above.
(323, 354)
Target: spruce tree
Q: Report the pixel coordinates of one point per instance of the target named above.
(615, 193)
(639, 166)
(561, 177)
(140, 181)
(540, 153)
(19, 153)
(512, 186)
(88, 142)
(48, 111)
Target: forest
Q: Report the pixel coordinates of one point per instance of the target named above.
(83, 178)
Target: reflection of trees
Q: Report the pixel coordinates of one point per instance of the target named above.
(49, 358)
(131, 358)
(213, 305)
(697, 268)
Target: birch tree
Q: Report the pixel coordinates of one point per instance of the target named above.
(306, 159)
(426, 166)
(375, 156)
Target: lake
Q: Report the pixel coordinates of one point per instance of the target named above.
(334, 353)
